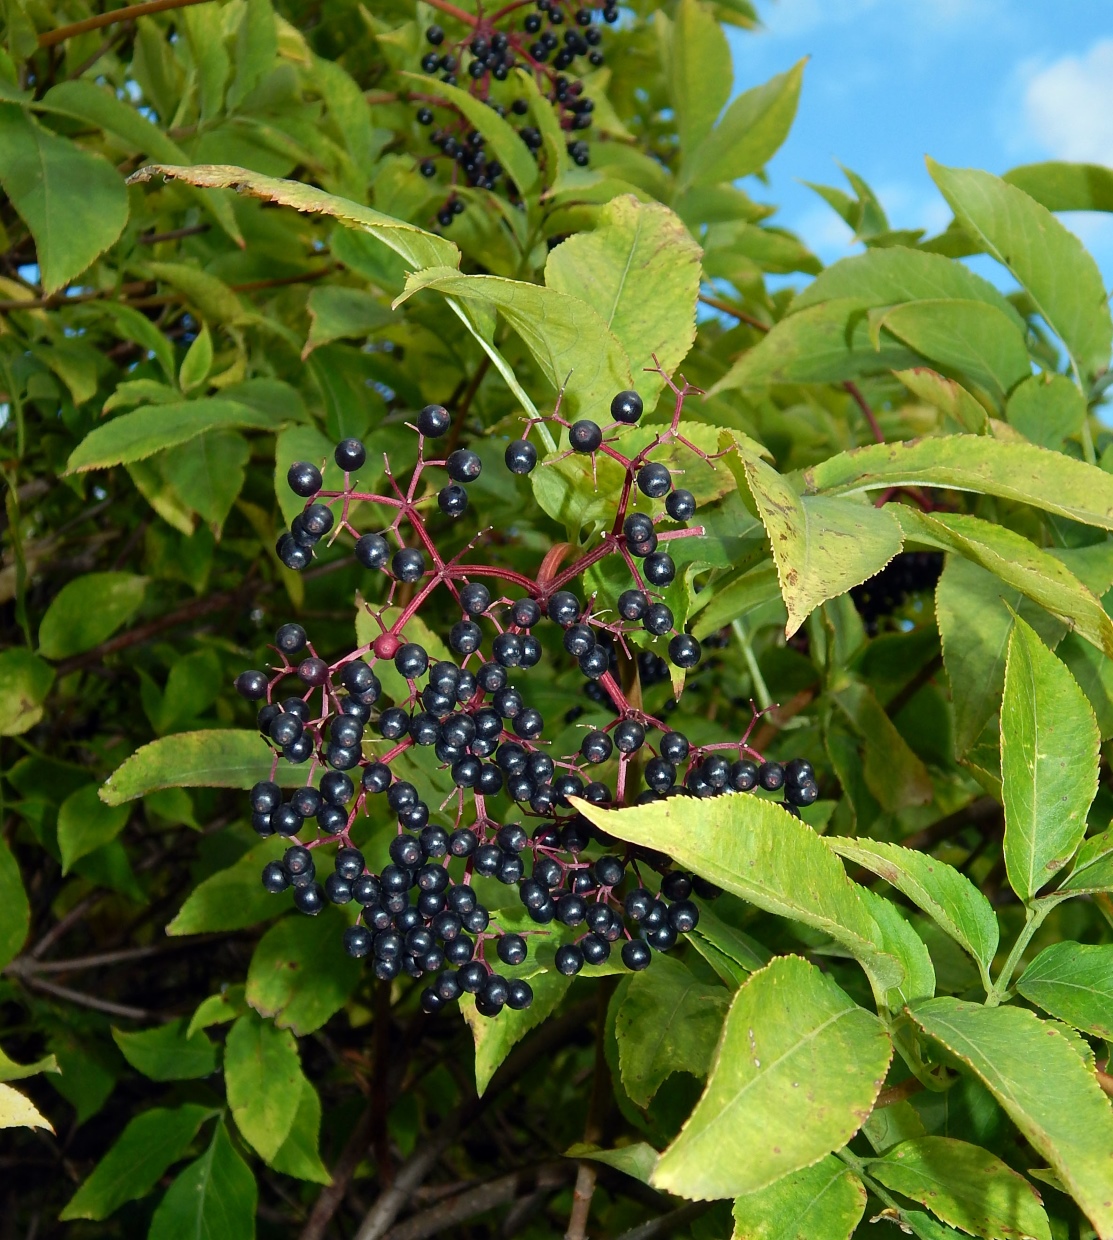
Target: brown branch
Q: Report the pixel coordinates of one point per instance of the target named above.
(588, 1170)
(89, 1001)
(24, 966)
(175, 234)
(726, 308)
(667, 1225)
(330, 1197)
(779, 716)
(898, 1093)
(51, 37)
(864, 405)
(466, 1205)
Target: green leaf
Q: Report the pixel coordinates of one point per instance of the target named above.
(131, 437)
(207, 473)
(88, 610)
(299, 972)
(18, 1111)
(85, 823)
(1061, 186)
(1047, 409)
(25, 680)
(893, 773)
(263, 1076)
(197, 362)
(732, 954)
(151, 1142)
(797, 1071)
(1093, 867)
(494, 1039)
(256, 48)
(750, 133)
(502, 139)
(636, 1160)
(828, 343)
(944, 394)
(1046, 1089)
(822, 1202)
(214, 1198)
(233, 898)
(821, 546)
(220, 758)
(1044, 256)
(946, 895)
(1016, 561)
(73, 201)
(15, 911)
(336, 313)
(416, 247)
(299, 1155)
(640, 270)
(218, 1009)
(12, 1071)
(966, 1186)
(895, 274)
(568, 338)
(297, 443)
(668, 1022)
(1018, 471)
(754, 849)
(167, 1052)
(1074, 982)
(699, 72)
(1049, 762)
(970, 337)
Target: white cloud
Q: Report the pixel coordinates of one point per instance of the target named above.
(1068, 105)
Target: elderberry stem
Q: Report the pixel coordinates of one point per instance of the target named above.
(1033, 919)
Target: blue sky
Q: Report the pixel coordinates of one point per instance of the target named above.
(975, 83)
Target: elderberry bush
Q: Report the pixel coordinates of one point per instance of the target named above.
(553, 42)
(512, 815)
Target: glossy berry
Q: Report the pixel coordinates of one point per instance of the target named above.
(475, 598)
(596, 747)
(252, 685)
(658, 618)
(408, 564)
(304, 479)
(632, 605)
(433, 421)
(310, 900)
(372, 550)
(525, 613)
(681, 505)
(798, 771)
(434, 35)
(411, 661)
(743, 775)
(564, 608)
(569, 960)
(464, 465)
(659, 568)
(275, 878)
(771, 776)
(636, 955)
(802, 794)
(520, 456)
(464, 637)
(626, 407)
(350, 454)
(638, 528)
(452, 500)
(654, 480)
(629, 736)
(585, 435)
(684, 651)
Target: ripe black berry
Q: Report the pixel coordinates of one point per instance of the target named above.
(771, 776)
(310, 900)
(564, 608)
(659, 569)
(475, 598)
(743, 775)
(629, 736)
(632, 605)
(452, 500)
(596, 747)
(569, 959)
(465, 636)
(350, 454)
(304, 479)
(660, 774)
(658, 618)
(519, 995)
(252, 685)
(585, 435)
(372, 550)
(434, 420)
(411, 660)
(275, 878)
(638, 527)
(408, 564)
(529, 724)
(464, 465)
(626, 407)
(434, 35)
(681, 505)
(684, 650)
(290, 639)
(520, 456)
(654, 480)
(609, 871)
(636, 955)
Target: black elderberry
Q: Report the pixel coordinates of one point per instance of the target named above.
(252, 685)
(434, 35)
(372, 550)
(803, 793)
(411, 660)
(743, 775)
(585, 436)
(394, 723)
(658, 618)
(638, 904)
(293, 556)
(465, 772)
(332, 818)
(350, 454)
(452, 500)
(265, 797)
(531, 650)
(626, 407)
(492, 676)
(596, 747)
(595, 948)
(654, 480)
(595, 662)
(309, 900)
(290, 639)
(609, 871)
(574, 835)
(408, 564)
(345, 732)
(511, 758)
(464, 465)
(464, 637)
(433, 421)
(424, 116)
(564, 608)
(543, 799)
(569, 959)
(338, 889)
(274, 877)
(520, 456)
(427, 168)
(681, 505)
(336, 788)
(597, 793)
(579, 640)
(565, 786)
(304, 479)
(632, 605)
(475, 598)
(798, 771)
(357, 677)
(659, 568)
(449, 63)
(286, 729)
(376, 777)
(629, 736)
(636, 955)
(638, 528)
(531, 25)
(529, 724)
(405, 851)
(771, 776)
(684, 651)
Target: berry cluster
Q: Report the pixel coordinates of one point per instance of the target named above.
(419, 913)
(485, 55)
(910, 572)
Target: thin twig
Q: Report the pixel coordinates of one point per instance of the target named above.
(924, 676)
(89, 1001)
(330, 1197)
(588, 1170)
(867, 412)
(668, 1224)
(726, 308)
(175, 234)
(982, 813)
(51, 37)
(24, 966)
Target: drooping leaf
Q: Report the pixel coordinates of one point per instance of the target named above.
(208, 473)
(25, 680)
(755, 850)
(822, 1202)
(894, 774)
(220, 758)
(637, 1160)
(300, 974)
(88, 610)
(12, 1071)
(152, 1142)
(1047, 409)
(263, 1077)
(85, 823)
(167, 1052)
(495, 1039)
(214, 1198)
(1048, 260)
(668, 1022)
(15, 911)
(234, 897)
(1093, 867)
(299, 1154)
(944, 394)
(1049, 762)
(416, 247)
(1018, 471)
(73, 200)
(336, 313)
(946, 895)
(1046, 1089)
(966, 1186)
(749, 134)
(797, 1071)
(828, 343)
(131, 437)
(821, 547)
(639, 269)
(1074, 982)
